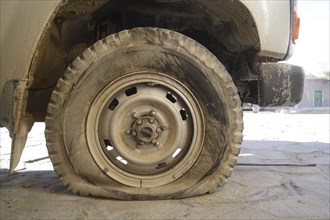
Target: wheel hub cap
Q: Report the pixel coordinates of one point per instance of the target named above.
(146, 130)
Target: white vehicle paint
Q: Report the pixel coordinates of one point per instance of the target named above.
(273, 20)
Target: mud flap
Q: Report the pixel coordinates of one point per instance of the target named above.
(14, 117)
(7, 105)
(18, 142)
(280, 84)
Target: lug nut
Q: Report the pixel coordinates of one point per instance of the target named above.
(158, 130)
(152, 113)
(135, 115)
(155, 142)
(151, 120)
(164, 127)
(139, 122)
(134, 133)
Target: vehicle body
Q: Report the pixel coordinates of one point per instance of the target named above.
(40, 39)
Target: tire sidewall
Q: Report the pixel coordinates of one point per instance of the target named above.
(196, 75)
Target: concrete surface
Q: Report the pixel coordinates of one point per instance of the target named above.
(283, 172)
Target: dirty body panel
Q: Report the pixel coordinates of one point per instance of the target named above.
(19, 38)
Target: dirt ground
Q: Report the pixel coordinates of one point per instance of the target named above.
(282, 172)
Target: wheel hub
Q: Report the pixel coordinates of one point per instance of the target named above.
(148, 128)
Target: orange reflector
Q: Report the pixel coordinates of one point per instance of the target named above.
(296, 25)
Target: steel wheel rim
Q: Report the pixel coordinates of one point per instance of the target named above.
(145, 129)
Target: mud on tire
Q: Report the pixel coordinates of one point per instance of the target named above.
(146, 113)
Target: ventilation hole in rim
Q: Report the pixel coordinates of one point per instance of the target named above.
(171, 97)
(130, 91)
(161, 165)
(177, 151)
(108, 145)
(184, 114)
(121, 160)
(113, 104)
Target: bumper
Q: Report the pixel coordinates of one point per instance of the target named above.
(280, 84)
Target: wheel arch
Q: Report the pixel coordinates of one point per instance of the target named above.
(72, 29)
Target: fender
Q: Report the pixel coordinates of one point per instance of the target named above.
(23, 24)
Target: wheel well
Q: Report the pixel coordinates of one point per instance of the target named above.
(74, 27)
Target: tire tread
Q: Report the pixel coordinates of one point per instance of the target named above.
(62, 164)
